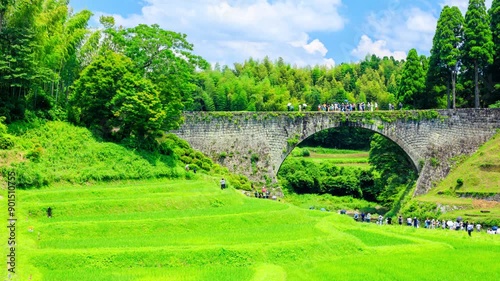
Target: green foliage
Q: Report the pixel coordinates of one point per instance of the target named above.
(393, 165)
(305, 177)
(434, 162)
(239, 182)
(494, 69)
(445, 54)
(421, 210)
(6, 141)
(254, 158)
(341, 138)
(412, 85)
(292, 141)
(306, 153)
(109, 95)
(495, 105)
(166, 59)
(270, 86)
(478, 44)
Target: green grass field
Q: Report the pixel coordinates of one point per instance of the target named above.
(339, 157)
(192, 230)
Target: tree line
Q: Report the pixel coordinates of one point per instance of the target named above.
(138, 80)
(135, 82)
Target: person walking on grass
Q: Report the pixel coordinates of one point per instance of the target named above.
(222, 183)
(470, 228)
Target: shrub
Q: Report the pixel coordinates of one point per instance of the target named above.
(208, 161)
(434, 162)
(167, 147)
(6, 141)
(35, 154)
(306, 153)
(205, 166)
(254, 158)
(460, 182)
(198, 155)
(30, 177)
(186, 159)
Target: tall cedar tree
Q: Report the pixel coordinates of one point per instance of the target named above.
(478, 43)
(445, 52)
(412, 85)
(495, 30)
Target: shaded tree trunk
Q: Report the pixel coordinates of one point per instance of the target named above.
(454, 86)
(448, 100)
(476, 85)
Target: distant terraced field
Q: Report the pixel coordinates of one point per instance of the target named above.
(192, 230)
(352, 158)
(472, 189)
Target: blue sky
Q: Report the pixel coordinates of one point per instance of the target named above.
(302, 32)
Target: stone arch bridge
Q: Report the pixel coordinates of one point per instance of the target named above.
(255, 144)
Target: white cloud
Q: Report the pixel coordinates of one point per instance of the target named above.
(462, 4)
(228, 31)
(421, 21)
(316, 47)
(367, 46)
(395, 31)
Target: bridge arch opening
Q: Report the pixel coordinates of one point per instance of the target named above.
(307, 169)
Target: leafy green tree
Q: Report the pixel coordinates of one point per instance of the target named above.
(494, 70)
(478, 43)
(393, 165)
(164, 57)
(4, 4)
(445, 52)
(18, 63)
(111, 96)
(137, 108)
(341, 185)
(412, 85)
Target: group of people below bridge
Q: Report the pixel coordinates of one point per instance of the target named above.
(428, 223)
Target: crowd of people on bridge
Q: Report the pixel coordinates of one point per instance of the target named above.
(348, 107)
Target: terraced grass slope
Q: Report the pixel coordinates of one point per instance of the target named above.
(192, 230)
(474, 179)
(339, 157)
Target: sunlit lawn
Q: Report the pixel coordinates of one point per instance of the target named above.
(192, 230)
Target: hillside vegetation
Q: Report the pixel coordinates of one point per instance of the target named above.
(464, 190)
(192, 230)
(52, 152)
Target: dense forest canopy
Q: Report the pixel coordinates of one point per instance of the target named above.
(50, 57)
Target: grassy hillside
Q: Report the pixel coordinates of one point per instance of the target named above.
(463, 191)
(479, 174)
(192, 230)
(46, 153)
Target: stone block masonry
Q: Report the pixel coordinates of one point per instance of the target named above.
(255, 144)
